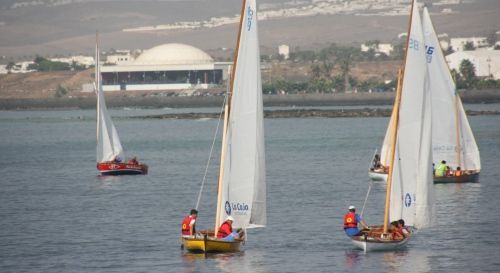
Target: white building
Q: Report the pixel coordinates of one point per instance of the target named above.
(378, 48)
(284, 50)
(457, 44)
(118, 58)
(486, 62)
(166, 67)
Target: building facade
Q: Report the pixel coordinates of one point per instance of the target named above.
(166, 67)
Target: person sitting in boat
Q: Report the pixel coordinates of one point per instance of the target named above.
(133, 161)
(226, 232)
(395, 231)
(376, 162)
(189, 224)
(351, 221)
(458, 172)
(449, 171)
(441, 169)
(117, 159)
(404, 230)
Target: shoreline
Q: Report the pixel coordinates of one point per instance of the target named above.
(309, 100)
(303, 113)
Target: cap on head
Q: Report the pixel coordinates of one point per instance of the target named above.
(352, 207)
(230, 218)
(193, 211)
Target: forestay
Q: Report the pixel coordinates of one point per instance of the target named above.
(243, 182)
(411, 192)
(108, 143)
(447, 108)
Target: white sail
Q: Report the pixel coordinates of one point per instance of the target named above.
(243, 182)
(411, 191)
(385, 150)
(108, 143)
(447, 108)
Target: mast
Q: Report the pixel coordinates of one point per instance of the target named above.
(97, 84)
(458, 131)
(226, 121)
(395, 127)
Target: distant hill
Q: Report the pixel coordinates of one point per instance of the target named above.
(62, 27)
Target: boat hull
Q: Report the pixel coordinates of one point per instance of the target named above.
(376, 244)
(110, 168)
(210, 245)
(466, 178)
(377, 176)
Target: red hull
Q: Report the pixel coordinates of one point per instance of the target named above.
(111, 168)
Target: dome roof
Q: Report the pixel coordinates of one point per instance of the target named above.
(174, 54)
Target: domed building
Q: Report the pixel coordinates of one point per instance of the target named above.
(166, 67)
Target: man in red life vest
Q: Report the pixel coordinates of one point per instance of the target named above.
(226, 231)
(189, 224)
(351, 220)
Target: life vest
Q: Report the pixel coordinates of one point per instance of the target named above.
(441, 170)
(185, 225)
(458, 172)
(350, 220)
(224, 230)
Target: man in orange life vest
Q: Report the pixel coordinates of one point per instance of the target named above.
(351, 220)
(226, 231)
(189, 224)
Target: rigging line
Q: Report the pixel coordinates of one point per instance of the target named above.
(369, 187)
(210, 154)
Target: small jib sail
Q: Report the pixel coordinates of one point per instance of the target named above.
(242, 181)
(109, 147)
(452, 138)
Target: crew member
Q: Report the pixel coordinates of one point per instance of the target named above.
(189, 224)
(441, 169)
(226, 231)
(351, 221)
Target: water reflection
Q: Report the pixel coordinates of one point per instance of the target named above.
(353, 258)
(237, 262)
(106, 181)
(406, 260)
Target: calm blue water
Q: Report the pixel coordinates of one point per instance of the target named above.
(57, 215)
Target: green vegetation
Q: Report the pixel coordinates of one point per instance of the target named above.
(466, 78)
(60, 91)
(323, 63)
(42, 64)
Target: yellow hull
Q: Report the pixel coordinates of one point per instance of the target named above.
(207, 245)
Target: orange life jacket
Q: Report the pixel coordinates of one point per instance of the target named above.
(224, 230)
(350, 220)
(185, 225)
(458, 172)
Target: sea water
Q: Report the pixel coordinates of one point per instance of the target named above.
(58, 215)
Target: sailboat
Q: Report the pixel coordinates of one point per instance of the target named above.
(409, 194)
(241, 183)
(452, 138)
(109, 152)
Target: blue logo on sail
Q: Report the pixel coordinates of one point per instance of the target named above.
(407, 200)
(249, 18)
(227, 207)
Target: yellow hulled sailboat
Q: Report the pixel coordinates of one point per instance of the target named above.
(242, 184)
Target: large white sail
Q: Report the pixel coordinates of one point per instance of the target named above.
(448, 115)
(108, 143)
(243, 182)
(411, 191)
